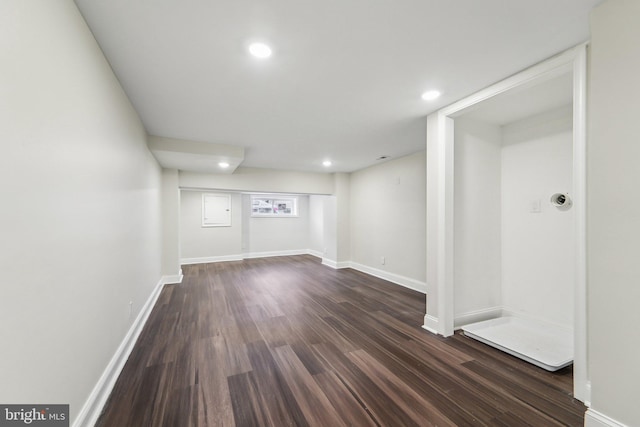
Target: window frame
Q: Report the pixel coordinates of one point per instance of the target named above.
(291, 201)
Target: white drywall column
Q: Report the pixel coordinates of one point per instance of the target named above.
(439, 315)
(170, 226)
(316, 225)
(343, 239)
(329, 231)
(613, 212)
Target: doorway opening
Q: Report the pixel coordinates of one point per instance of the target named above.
(506, 212)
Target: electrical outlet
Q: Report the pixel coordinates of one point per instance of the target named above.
(383, 260)
(130, 309)
(535, 206)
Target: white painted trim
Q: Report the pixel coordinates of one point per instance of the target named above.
(407, 282)
(553, 67)
(581, 385)
(447, 220)
(476, 316)
(275, 253)
(172, 279)
(94, 404)
(593, 418)
(316, 254)
(208, 259)
(248, 255)
(330, 263)
(336, 265)
(397, 279)
(431, 324)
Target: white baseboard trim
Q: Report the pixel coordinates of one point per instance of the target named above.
(407, 282)
(336, 265)
(587, 392)
(594, 418)
(240, 257)
(330, 263)
(172, 279)
(430, 324)
(94, 404)
(275, 253)
(316, 254)
(248, 255)
(476, 316)
(208, 259)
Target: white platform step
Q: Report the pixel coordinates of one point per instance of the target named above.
(542, 344)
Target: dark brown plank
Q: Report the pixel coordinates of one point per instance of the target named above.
(289, 342)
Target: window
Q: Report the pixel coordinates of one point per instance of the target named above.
(216, 210)
(274, 207)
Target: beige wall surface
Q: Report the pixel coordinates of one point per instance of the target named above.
(81, 201)
(268, 234)
(477, 216)
(247, 236)
(197, 241)
(613, 213)
(388, 216)
(261, 180)
(538, 247)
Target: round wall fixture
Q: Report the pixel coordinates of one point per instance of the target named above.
(562, 201)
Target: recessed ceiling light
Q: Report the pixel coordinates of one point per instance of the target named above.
(326, 163)
(430, 95)
(260, 50)
(223, 165)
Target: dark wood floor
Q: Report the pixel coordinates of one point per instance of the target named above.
(288, 342)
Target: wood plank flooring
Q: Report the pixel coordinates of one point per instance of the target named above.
(289, 342)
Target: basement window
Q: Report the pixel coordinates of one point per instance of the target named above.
(262, 206)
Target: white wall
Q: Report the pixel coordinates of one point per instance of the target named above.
(80, 219)
(477, 217)
(538, 277)
(506, 256)
(247, 237)
(269, 234)
(613, 212)
(206, 244)
(388, 216)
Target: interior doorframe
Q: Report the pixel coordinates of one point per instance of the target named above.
(440, 218)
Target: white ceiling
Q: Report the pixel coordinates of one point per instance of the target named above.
(345, 78)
